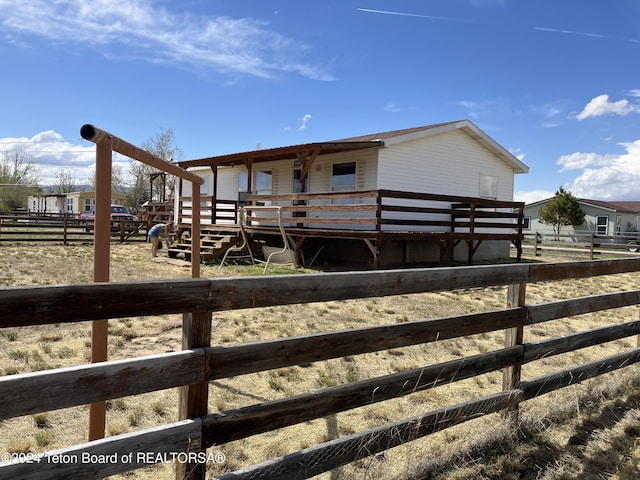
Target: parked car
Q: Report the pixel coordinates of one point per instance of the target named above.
(118, 213)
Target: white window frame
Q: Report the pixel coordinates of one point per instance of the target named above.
(602, 229)
(488, 186)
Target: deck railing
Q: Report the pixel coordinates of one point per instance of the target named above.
(376, 210)
(30, 393)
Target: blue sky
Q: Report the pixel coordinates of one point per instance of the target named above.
(555, 82)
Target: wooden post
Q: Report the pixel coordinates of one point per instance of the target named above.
(196, 333)
(195, 230)
(514, 336)
(592, 246)
(101, 255)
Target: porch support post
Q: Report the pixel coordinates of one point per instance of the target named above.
(214, 196)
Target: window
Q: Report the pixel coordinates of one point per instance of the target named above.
(262, 185)
(343, 179)
(526, 223)
(204, 188)
(297, 185)
(242, 188)
(87, 205)
(263, 182)
(70, 204)
(488, 186)
(602, 224)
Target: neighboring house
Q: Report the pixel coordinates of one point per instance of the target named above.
(72, 204)
(449, 159)
(601, 218)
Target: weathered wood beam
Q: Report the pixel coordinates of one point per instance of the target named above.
(71, 386)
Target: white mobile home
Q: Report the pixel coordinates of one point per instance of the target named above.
(409, 172)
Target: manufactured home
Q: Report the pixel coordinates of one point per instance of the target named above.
(432, 193)
(67, 204)
(602, 218)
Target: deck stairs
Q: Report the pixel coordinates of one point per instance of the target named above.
(214, 243)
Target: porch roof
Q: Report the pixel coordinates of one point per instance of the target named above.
(292, 152)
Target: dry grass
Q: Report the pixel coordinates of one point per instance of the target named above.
(588, 431)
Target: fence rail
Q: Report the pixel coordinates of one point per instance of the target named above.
(65, 230)
(376, 210)
(583, 243)
(48, 390)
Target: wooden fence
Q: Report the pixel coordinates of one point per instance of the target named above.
(65, 230)
(584, 243)
(30, 393)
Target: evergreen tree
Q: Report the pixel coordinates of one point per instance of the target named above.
(562, 210)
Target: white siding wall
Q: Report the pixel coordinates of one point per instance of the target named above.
(449, 164)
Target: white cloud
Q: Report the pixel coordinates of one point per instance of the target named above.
(533, 196)
(551, 110)
(393, 107)
(607, 177)
(518, 153)
(149, 32)
(303, 122)
(579, 161)
(51, 153)
(601, 105)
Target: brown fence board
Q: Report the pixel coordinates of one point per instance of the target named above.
(582, 269)
(576, 341)
(72, 303)
(67, 387)
(268, 355)
(564, 378)
(582, 305)
(74, 463)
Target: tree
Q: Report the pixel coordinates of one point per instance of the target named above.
(65, 182)
(19, 178)
(117, 179)
(161, 145)
(562, 210)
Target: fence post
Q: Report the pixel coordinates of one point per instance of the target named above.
(196, 333)
(514, 336)
(591, 247)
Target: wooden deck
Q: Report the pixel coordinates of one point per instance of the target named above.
(379, 218)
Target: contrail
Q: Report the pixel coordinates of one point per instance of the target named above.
(385, 12)
(586, 34)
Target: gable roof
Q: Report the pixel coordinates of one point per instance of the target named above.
(375, 140)
(630, 207)
(466, 126)
(615, 206)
